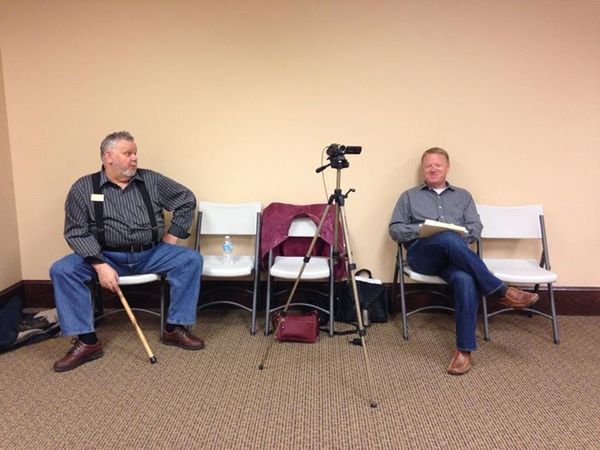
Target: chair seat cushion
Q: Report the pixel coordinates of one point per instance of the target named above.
(519, 271)
(215, 267)
(288, 267)
(138, 279)
(422, 278)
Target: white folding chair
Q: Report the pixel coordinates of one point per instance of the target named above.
(519, 222)
(134, 280)
(233, 219)
(403, 270)
(288, 268)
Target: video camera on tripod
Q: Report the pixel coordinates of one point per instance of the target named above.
(336, 155)
(337, 150)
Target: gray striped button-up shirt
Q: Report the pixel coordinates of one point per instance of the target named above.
(453, 205)
(126, 220)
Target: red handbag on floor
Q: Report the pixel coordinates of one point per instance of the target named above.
(297, 327)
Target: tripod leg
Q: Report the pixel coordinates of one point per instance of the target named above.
(307, 257)
(269, 292)
(293, 291)
(361, 330)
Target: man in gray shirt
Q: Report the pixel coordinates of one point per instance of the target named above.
(447, 254)
(115, 226)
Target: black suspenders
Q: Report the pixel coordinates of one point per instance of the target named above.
(99, 210)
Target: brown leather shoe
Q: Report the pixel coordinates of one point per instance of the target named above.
(77, 355)
(515, 298)
(180, 337)
(461, 363)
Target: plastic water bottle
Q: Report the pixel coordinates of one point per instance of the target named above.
(227, 251)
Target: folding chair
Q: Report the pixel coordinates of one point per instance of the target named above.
(233, 219)
(134, 280)
(519, 222)
(402, 270)
(288, 268)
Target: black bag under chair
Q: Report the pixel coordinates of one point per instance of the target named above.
(373, 299)
(18, 327)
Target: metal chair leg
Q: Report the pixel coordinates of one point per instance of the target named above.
(393, 297)
(403, 310)
(268, 302)
(97, 301)
(254, 302)
(486, 325)
(331, 297)
(553, 310)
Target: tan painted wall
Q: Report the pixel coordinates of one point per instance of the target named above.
(236, 99)
(10, 258)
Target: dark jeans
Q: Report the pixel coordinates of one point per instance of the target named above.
(448, 256)
(71, 276)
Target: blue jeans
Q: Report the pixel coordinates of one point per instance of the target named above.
(448, 256)
(71, 276)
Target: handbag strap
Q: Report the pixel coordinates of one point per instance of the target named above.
(342, 333)
(367, 271)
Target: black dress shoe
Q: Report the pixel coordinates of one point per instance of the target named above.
(77, 355)
(182, 338)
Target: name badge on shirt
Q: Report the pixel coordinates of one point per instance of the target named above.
(97, 197)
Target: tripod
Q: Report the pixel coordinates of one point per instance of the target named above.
(338, 198)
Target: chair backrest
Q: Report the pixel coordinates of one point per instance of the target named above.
(511, 222)
(228, 218)
(302, 227)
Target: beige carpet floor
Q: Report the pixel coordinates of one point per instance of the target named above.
(523, 391)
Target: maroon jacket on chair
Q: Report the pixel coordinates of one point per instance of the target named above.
(276, 221)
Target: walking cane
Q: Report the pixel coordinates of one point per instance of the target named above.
(135, 325)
